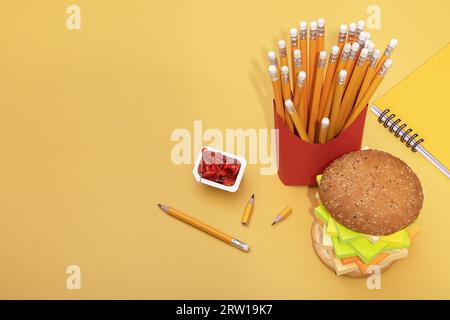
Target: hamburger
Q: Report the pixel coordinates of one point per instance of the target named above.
(369, 205)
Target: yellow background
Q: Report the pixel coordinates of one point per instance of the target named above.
(85, 125)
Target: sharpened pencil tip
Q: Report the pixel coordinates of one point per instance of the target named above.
(253, 196)
(159, 205)
(273, 223)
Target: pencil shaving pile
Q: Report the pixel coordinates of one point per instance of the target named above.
(318, 95)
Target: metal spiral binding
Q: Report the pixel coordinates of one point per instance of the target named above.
(399, 130)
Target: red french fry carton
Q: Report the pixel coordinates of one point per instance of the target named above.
(299, 162)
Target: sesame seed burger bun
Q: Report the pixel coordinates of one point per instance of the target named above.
(371, 192)
(326, 254)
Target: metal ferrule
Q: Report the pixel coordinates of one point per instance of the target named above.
(351, 36)
(274, 77)
(239, 244)
(341, 81)
(344, 56)
(383, 70)
(285, 78)
(333, 58)
(321, 32)
(352, 55)
(312, 34)
(361, 43)
(298, 62)
(294, 42)
(322, 63)
(373, 63)
(300, 82)
(283, 52)
(357, 32)
(388, 51)
(303, 34)
(361, 61)
(274, 62)
(341, 38)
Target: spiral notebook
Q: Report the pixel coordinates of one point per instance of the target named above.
(420, 102)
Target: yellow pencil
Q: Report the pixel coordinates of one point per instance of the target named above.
(287, 94)
(204, 227)
(283, 214)
(320, 35)
(277, 94)
(359, 28)
(342, 37)
(297, 66)
(387, 53)
(314, 110)
(296, 119)
(336, 104)
(312, 58)
(351, 33)
(248, 211)
(272, 56)
(370, 91)
(323, 130)
(283, 53)
(351, 62)
(371, 70)
(329, 75)
(294, 46)
(298, 93)
(352, 89)
(340, 66)
(303, 27)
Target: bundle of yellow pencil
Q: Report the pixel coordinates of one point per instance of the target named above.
(319, 97)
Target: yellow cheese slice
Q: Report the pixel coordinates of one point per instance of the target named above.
(365, 249)
(331, 227)
(342, 249)
(346, 234)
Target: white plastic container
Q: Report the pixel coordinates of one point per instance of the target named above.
(218, 185)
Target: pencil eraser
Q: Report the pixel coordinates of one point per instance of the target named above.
(361, 25)
(343, 28)
(245, 247)
(297, 54)
(388, 63)
(281, 44)
(313, 25)
(303, 25)
(347, 47)
(288, 103)
(294, 32)
(284, 70)
(368, 35)
(271, 55)
(272, 70)
(342, 74)
(325, 122)
(321, 22)
(334, 50)
(364, 53)
(376, 53)
(363, 36)
(355, 46)
(323, 55)
(393, 43)
(302, 75)
(352, 27)
(369, 45)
